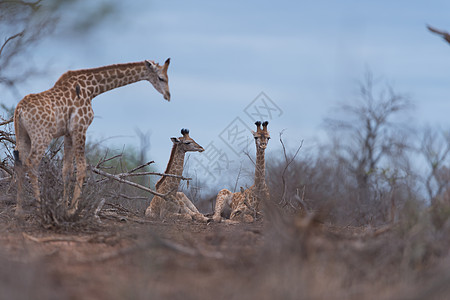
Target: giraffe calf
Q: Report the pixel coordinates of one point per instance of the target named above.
(175, 204)
(245, 205)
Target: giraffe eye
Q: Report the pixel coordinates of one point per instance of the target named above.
(187, 143)
(161, 79)
(256, 137)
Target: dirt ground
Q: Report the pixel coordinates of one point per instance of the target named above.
(124, 256)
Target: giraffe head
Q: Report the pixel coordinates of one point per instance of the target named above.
(186, 143)
(157, 76)
(261, 135)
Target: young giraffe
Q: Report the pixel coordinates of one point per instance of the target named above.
(176, 204)
(245, 205)
(65, 110)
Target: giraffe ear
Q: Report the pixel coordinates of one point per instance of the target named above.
(166, 65)
(175, 140)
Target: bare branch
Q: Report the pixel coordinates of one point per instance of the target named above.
(7, 122)
(141, 166)
(286, 166)
(33, 5)
(6, 178)
(237, 178)
(10, 39)
(6, 168)
(121, 180)
(128, 174)
(442, 33)
(130, 197)
(104, 159)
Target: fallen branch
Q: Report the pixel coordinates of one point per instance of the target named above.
(49, 239)
(382, 230)
(5, 178)
(154, 242)
(121, 180)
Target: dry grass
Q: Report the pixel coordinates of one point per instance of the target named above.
(317, 253)
(288, 255)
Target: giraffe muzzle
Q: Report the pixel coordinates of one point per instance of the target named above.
(167, 96)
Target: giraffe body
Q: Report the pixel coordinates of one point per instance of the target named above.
(65, 110)
(176, 204)
(245, 205)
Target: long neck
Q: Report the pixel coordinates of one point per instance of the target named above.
(175, 167)
(260, 169)
(103, 79)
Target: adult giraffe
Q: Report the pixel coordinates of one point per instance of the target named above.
(65, 110)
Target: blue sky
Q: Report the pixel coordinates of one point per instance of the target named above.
(306, 56)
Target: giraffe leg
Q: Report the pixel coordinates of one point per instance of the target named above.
(171, 209)
(67, 167)
(154, 209)
(223, 197)
(20, 177)
(21, 152)
(190, 208)
(79, 140)
(32, 164)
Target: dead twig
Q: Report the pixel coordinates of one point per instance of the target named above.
(7, 121)
(6, 168)
(382, 230)
(10, 39)
(129, 197)
(128, 174)
(104, 159)
(288, 162)
(301, 200)
(142, 166)
(237, 178)
(119, 207)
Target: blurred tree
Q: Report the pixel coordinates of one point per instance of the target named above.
(26, 24)
(370, 130)
(435, 148)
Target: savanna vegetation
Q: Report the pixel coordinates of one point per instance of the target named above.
(365, 215)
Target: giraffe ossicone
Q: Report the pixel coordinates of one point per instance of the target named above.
(65, 110)
(176, 205)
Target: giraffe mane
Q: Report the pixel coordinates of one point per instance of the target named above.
(169, 164)
(67, 75)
